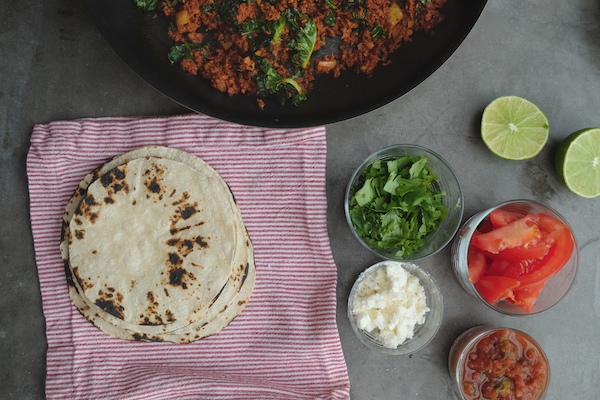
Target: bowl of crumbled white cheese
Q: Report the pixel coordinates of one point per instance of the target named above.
(395, 307)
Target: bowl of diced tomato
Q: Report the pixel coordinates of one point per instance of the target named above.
(519, 257)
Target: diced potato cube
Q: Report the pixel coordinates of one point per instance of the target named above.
(395, 15)
(181, 18)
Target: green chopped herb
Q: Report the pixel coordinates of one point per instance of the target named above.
(277, 27)
(181, 51)
(395, 204)
(330, 19)
(304, 44)
(270, 82)
(147, 5)
(420, 5)
(378, 31)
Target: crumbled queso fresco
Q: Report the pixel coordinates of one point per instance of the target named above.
(389, 303)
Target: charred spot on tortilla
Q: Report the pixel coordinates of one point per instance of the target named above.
(109, 200)
(152, 315)
(64, 231)
(174, 260)
(177, 277)
(201, 242)
(175, 229)
(90, 200)
(231, 192)
(82, 283)
(188, 212)
(68, 273)
(170, 316)
(185, 247)
(154, 178)
(115, 174)
(218, 294)
(154, 187)
(245, 275)
(85, 210)
(80, 191)
(84, 207)
(70, 238)
(185, 211)
(80, 233)
(114, 180)
(151, 299)
(111, 307)
(107, 178)
(146, 338)
(146, 321)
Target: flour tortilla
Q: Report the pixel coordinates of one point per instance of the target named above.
(196, 303)
(229, 304)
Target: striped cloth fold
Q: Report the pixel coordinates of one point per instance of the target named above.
(284, 345)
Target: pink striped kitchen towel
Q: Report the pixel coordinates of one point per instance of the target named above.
(284, 345)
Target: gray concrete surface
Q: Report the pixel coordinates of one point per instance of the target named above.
(54, 65)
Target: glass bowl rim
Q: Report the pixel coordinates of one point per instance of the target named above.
(433, 319)
(484, 214)
(479, 332)
(374, 156)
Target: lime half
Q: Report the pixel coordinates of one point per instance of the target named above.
(578, 162)
(514, 128)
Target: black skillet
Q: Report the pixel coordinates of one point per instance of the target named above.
(140, 39)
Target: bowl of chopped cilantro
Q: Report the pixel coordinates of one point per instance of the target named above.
(404, 202)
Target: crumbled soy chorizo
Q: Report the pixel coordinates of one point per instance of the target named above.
(266, 47)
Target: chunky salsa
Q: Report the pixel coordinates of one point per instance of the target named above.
(505, 365)
(511, 256)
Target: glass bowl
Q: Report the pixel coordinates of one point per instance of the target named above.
(422, 332)
(555, 288)
(447, 182)
(465, 349)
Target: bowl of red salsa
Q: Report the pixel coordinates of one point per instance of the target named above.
(519, 257)
(487, 362)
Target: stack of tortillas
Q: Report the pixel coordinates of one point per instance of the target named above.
(155, 248)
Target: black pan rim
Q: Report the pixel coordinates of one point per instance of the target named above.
(135, 36)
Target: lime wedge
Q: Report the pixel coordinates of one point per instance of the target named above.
(514, 128)
(578, 162)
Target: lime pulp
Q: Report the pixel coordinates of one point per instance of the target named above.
(578, 162)
(514, 128)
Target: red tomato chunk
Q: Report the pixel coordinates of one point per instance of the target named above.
(505, 365)
(511, 256)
